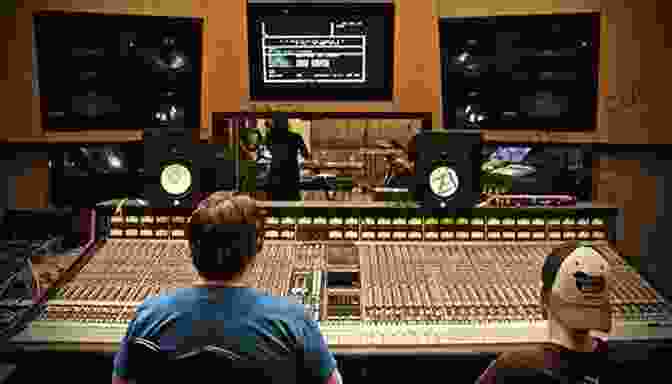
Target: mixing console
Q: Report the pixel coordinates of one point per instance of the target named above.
(368, 294)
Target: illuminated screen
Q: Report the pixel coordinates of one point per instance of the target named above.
(336, 57)
(515, 154)
(541, 169)
(321, 51)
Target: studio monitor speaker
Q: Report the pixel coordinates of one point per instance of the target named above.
(169, 170)
(179, 173)
(447, 170)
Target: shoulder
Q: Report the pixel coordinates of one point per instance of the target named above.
(151, 307)
(511, 360)
(282, 318)
(599, 345)
(164, 301)
(521, 359)
(281, 306)
(155, 310)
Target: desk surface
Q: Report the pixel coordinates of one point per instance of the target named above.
(396, 204)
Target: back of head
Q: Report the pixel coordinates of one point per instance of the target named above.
(575, 289)
(225, 233)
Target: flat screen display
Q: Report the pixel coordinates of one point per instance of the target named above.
(321, 51)
(521, 72)
(539, 169)
(84, 175)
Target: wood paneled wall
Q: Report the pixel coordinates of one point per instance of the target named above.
(634, 83)
(633, 54)
(24, 179)
(624, 183)
(225, 75)
(357, 133)
(224, 44)
(32, 187)
(634, 61)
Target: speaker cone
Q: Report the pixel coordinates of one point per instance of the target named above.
(444, 181)
(176, 179)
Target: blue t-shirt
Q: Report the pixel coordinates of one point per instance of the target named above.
(243, 313)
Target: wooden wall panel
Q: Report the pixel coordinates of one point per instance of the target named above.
(16, 89)
(358, 133)
(418, 71)
(495, 7)
(225, 77)
(622, 183)
(416, 67)
(32, 187)
(224, 46)
(631, 84)
(633, 58)
(399, 130)
(653, 33)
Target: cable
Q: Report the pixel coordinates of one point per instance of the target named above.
(48, 245)
(12, 317)
(7, 283)
(37, 285)
(21, 321)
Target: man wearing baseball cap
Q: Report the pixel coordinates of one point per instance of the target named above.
(575, 300)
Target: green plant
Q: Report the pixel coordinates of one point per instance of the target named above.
(492, 182)
(54, 293)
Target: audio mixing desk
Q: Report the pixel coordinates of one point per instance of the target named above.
(376, 284)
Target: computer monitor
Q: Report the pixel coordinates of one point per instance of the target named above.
(551, 169)
(321, 51)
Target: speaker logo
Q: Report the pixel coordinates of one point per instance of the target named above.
(589, 284)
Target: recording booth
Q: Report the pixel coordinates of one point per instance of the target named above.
(360, 156)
